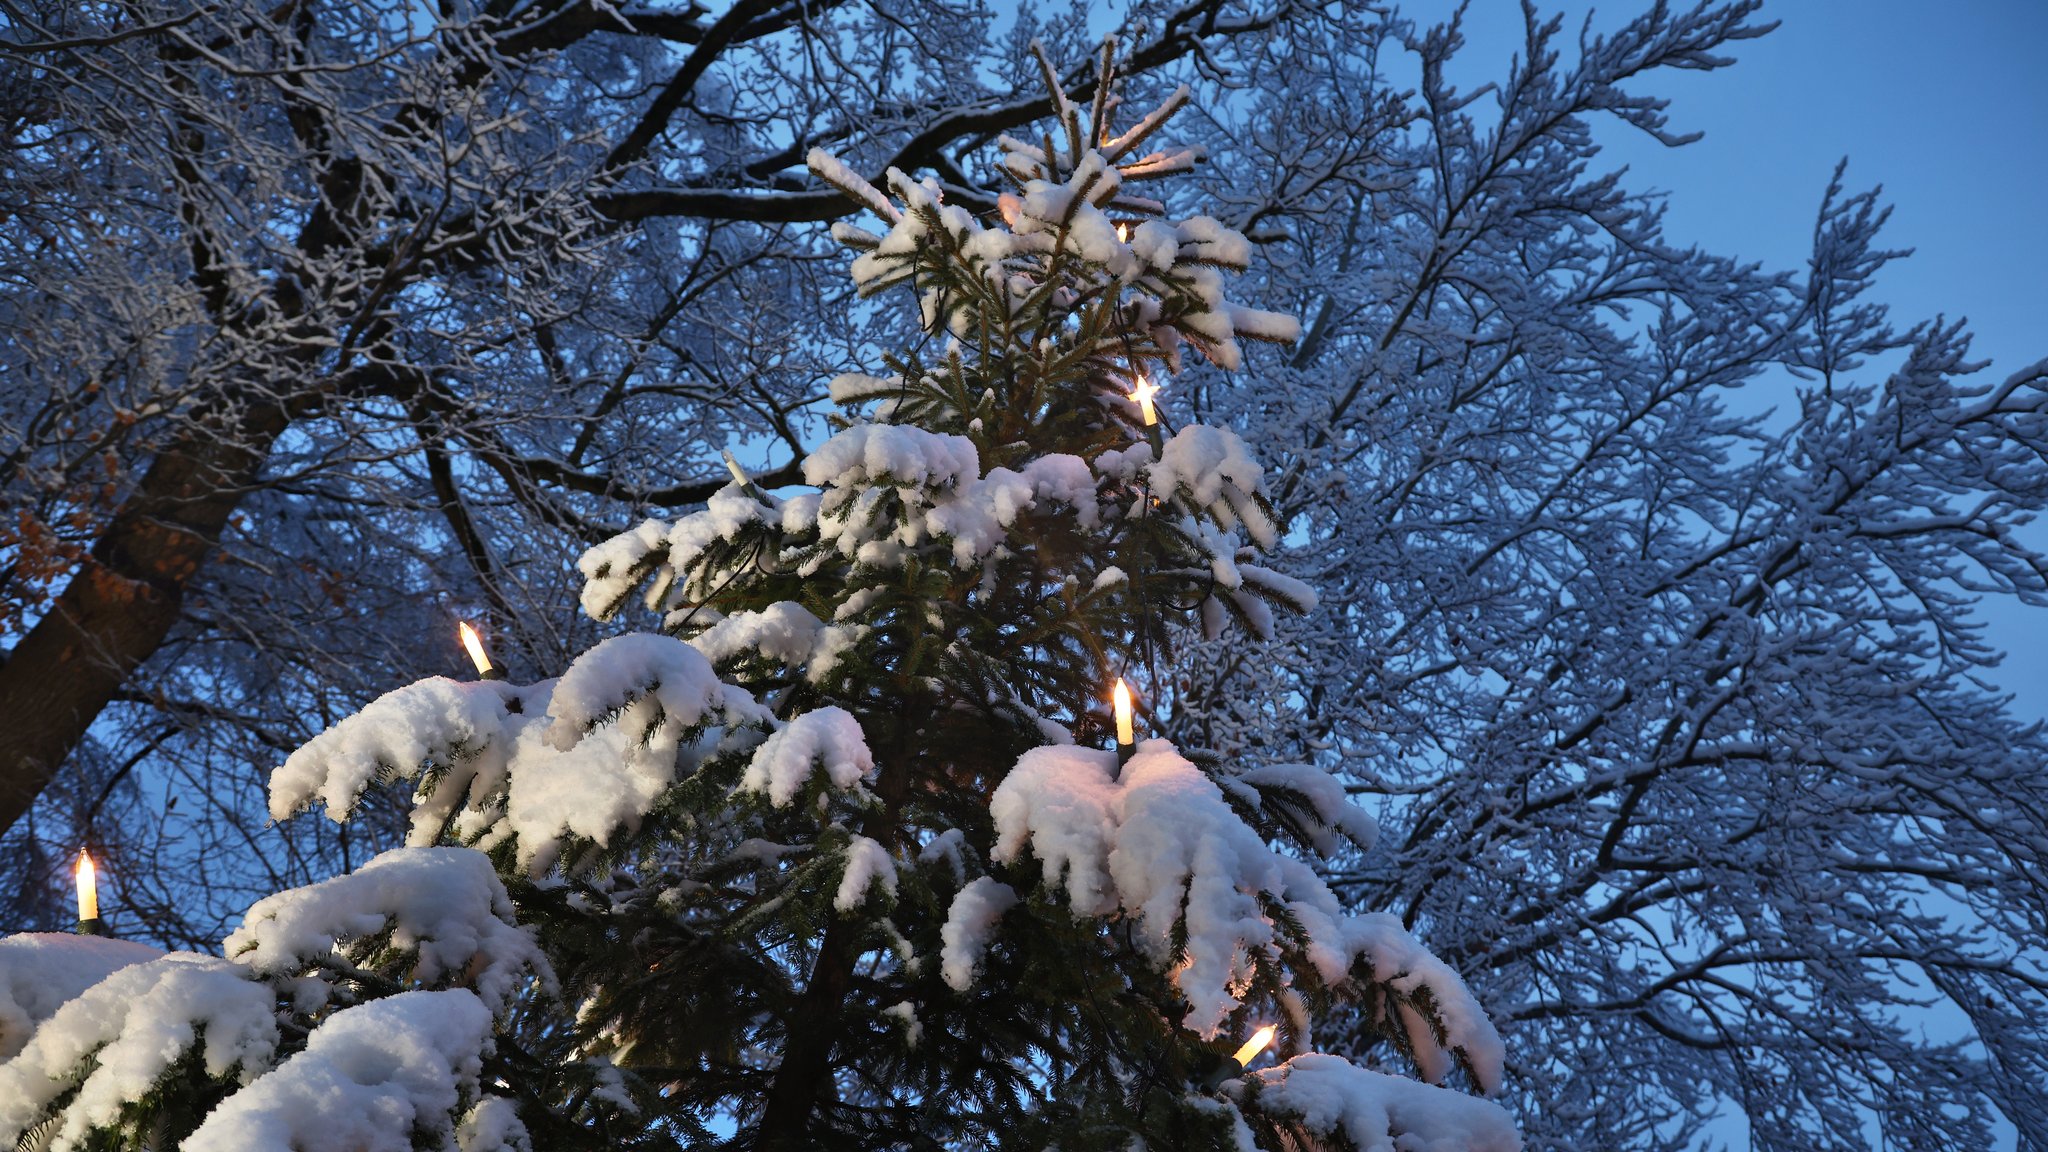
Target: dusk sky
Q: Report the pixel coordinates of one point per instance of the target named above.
(1945, 105)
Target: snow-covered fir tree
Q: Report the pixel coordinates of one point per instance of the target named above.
(847, 853)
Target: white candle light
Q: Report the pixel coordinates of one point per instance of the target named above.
(1143, 393)
(1255, 1045)
(88, 888)
(1122, 696)
(475, 644)
(739, 474)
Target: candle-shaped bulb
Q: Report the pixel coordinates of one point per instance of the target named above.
(1122, 696)
(1143, 392)
(1123, 232)
(739, 474)
(475, 644)
(88, 888)
(1255, 1045)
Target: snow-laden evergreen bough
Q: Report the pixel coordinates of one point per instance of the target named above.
(833, 859)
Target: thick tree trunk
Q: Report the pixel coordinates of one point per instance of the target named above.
(123, 599)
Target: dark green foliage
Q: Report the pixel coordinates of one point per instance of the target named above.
(712, 966)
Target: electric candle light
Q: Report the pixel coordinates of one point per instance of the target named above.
(89, 898)
(1143, 393)
(482, 659)
(88, 889)
(1255, 1045)
(1234, 1067)
(1125, 736)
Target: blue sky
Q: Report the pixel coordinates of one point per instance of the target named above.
(1944, 104)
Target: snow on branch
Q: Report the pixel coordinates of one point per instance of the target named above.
(829, 169)
(613, 568)
(444, 906)
(1212, 468)
(40, 971)
(1161, 843)
(867, 864)
(653, 687)
(970, 924)
(580, 757)
(1066, 220)
(433, 723)
(391, 1075)
(1374, 1112)
(828, 738)
(785, 633)
(898, 454)
(1310, 800)
(111, 1044)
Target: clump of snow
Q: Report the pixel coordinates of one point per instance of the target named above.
(1212, 468)
(1296, 594)
(979, 513)
(834, 172)
(613, 568)
(445, 904)
(976, 517)
(1257, 324)
(1062, 802)
(1209, 241)
(386, 1076)
(656, 686)
(855, 387)
(892, 258)
(1374, 1112)
(40, 971)
(493, 1126)
(592, 790)
(827, 737)
(1156, 244)
(948, 848)
(611, 1086)
(785, 632)
(1318, 795)
(905, 1014)
(894, 454)
(583, 756)
(799, 513)
(1400, 962)
(431, 722)
(116, 1039)
(854, 236)
(1162, 844)
(867, 863)
(970, 925)
(1124, 464)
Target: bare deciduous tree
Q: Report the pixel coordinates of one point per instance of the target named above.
(1675, 701)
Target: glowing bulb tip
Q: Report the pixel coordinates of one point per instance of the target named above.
(1256, 1045)
(475, 644)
